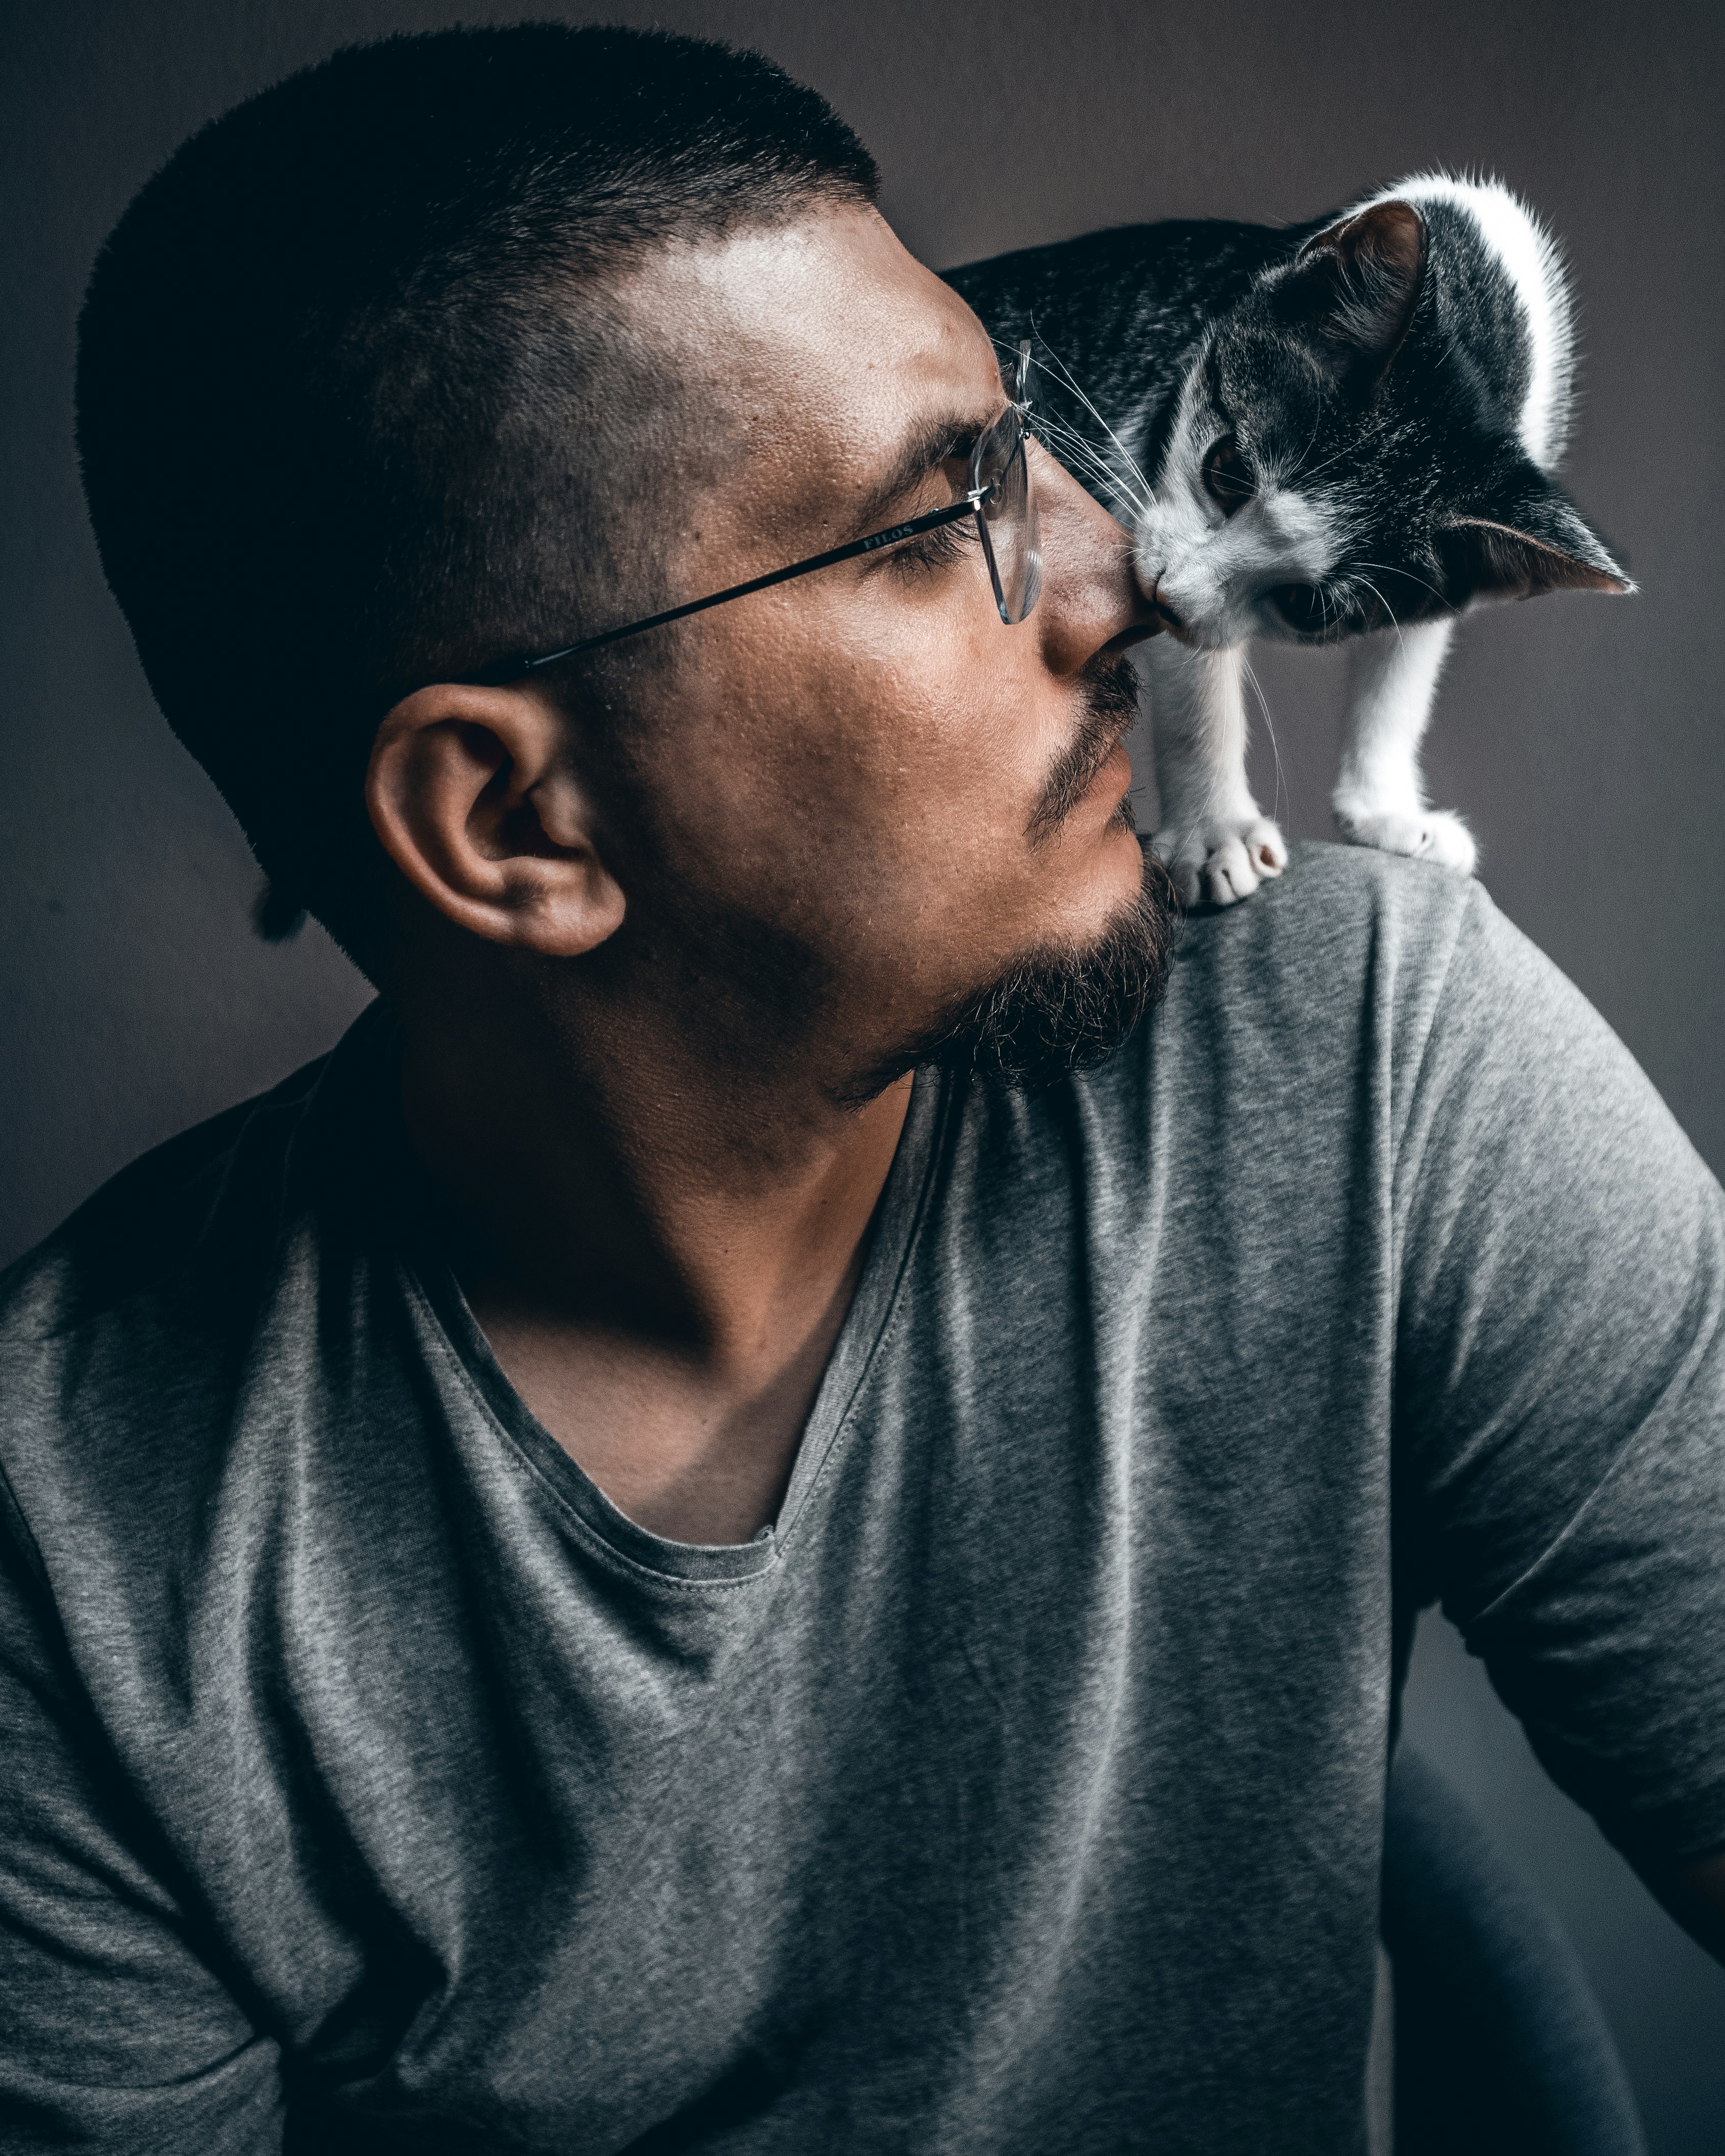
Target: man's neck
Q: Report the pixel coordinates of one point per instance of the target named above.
(660, 1256)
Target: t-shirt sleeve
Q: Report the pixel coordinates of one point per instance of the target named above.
(117, 2032)
(1560, 1390)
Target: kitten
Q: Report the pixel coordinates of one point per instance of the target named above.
(1350, 427)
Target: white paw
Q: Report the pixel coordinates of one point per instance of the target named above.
(1222, 859)
(1433, 834)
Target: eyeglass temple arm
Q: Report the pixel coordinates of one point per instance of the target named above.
(517, 669)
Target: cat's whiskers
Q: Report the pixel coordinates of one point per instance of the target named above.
(1052, 428)
(1073, 448)
(1298, 470)
(1063, 374)
(1381, 602)
(1390, 571)
(1257, 690)
(1298, 467)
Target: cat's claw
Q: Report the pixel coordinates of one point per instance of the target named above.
(1434, 835)
(1220, 859)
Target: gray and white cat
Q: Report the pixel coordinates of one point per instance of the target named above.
(1350, 428)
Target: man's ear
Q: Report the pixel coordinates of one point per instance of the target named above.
(475, 798)
(1532, 541)
(1352, 289)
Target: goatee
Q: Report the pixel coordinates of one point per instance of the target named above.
(1057, 1009)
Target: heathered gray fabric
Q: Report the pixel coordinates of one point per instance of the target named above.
(1022, 1792)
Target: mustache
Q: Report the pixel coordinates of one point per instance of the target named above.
(1110, 688)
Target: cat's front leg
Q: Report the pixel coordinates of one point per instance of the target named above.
(1214, 841)
(1379, 798)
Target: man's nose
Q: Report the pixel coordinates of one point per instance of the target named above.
(1091, 600)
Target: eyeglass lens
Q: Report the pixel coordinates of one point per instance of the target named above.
(1011, 537)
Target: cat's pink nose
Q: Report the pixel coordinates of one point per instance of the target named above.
(1167, 618)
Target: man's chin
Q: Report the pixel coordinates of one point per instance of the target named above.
(1057, 1008)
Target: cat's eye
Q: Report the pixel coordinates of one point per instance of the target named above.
(1305, 607)
(1226, 481)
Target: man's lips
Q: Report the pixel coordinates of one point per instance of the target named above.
(1099, 801)
(1111, 760)
(1108, 713)
(1114, 772)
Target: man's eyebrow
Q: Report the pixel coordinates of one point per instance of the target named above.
(927, 446)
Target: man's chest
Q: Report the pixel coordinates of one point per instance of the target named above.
(1015, 1712)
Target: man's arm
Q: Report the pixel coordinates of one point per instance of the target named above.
(1560, 1407)
(115, 2031)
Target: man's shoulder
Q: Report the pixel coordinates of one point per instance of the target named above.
(137, 1305)
(1331, 977)
(1347, 946)
(145, 1223)
(1335, 912)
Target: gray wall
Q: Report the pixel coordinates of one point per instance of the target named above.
(1580, 735)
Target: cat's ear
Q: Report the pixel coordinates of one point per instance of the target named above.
(1352, 289)
(1536, 541)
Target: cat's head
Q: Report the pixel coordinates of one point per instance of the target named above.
(1337, 462)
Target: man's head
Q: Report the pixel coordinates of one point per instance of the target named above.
(478, 343)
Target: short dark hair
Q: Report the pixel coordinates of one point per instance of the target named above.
(352, 410)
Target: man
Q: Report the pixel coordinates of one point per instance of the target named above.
(722, 1531)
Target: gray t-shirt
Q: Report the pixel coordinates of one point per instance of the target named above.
(369, 1779)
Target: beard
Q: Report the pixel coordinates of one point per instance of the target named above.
(1062, 1008)
(1055, 1010)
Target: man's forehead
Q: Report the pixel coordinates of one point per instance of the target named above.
(823, 339)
